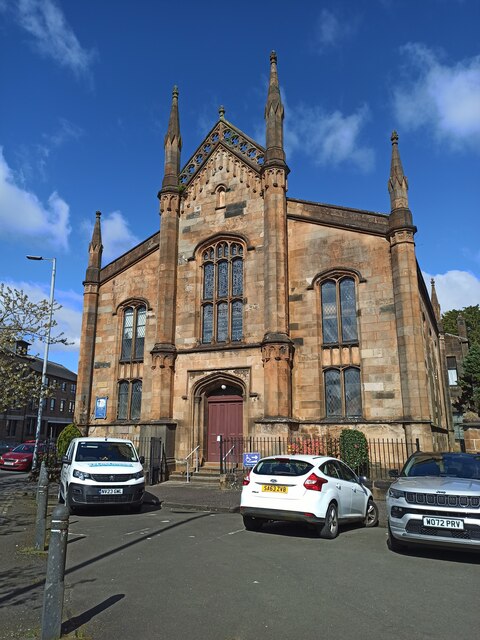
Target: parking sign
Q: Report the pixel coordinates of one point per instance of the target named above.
(250, 459)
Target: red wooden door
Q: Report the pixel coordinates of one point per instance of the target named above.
(225, 418)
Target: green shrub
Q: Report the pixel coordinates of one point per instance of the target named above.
(66, 436)
(354, 450)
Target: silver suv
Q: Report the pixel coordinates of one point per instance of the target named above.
(435, 500)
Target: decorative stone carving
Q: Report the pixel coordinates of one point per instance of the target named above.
(276, 178)
(277, 351)
(226, 134)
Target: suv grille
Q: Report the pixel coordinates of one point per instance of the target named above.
(440, 500)
(471, 532)
(104, 477)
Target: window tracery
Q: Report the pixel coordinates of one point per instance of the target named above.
(222, 300)
(133, 333)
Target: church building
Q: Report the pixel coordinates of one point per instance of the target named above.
(253, 313)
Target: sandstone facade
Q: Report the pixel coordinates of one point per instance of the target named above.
(234, 302)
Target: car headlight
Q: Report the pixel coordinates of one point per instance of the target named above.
(18, 460)
(138, 475)
(396, 493)
(81, 475)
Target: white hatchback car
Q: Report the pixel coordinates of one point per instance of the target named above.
(318, 490)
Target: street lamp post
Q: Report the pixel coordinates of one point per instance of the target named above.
(45, 360)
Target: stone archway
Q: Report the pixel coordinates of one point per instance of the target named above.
(221, 398)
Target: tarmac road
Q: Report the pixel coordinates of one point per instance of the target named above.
(179, 574)
(176, 573)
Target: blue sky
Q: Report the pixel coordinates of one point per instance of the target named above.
(85, 97)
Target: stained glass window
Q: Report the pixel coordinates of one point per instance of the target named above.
(353, 399)
(134, 321)
(237, 277)
(348, 310)
(222, 285)
(127, 333)
(342, 393)
(332, 393)
(208, 281)
(136, 402)
(237, 320)
(222, 321)
(339, 311)
(122, 411)
(129, 400)
(329, 312)
(140, 332)
(207, 323)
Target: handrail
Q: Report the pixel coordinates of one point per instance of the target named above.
(196, 461)
(228, 453)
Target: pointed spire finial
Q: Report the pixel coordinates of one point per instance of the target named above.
(173, 145)
(95, 249)
(397, 183)
(435, 303)
(274, 114)
(221, 112)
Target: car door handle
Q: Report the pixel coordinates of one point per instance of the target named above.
(339, 486)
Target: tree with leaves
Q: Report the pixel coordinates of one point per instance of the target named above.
(472, 320)
(22, 319)
(469, 382)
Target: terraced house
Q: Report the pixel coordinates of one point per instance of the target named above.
(251, 312)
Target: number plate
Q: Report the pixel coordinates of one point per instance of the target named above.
(274, 488)
(443, 523)
(107, 492)
(8, 463)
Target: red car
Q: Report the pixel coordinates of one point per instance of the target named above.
(20, 458)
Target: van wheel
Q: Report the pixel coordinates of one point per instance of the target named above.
(61, 499)
(71, 508)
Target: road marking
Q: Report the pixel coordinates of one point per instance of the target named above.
(140, 531)
(232, 533)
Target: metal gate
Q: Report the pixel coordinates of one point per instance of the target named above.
(153, 450)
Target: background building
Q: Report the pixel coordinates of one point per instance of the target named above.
(17, 425)
(251, 312)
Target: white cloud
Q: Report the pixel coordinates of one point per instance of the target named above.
(455, 289)
(329, 138)
(23, 216)
(330, 30)
(52, 35)
(444, 98)
(117, 237)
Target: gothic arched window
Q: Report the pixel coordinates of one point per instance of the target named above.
(342, 393)
(339, 312)
(133, 334)
(129, 400)
(222, 293)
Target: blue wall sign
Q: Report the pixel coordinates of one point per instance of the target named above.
(250, 459)
(100, 408)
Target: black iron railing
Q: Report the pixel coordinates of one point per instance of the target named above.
(383, 453)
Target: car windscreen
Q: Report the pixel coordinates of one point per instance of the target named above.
(451, 465)
(24, 448)
(105, 451)
(282, 467)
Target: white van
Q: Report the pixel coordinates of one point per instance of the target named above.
(101, 471)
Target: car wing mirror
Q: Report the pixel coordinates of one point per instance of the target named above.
(142, 459)
(66, 460)
(393, 473)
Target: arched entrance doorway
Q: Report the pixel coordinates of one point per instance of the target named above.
(224, 416)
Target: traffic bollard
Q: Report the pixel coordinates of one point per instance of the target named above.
(42, 503)
(54, 582)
